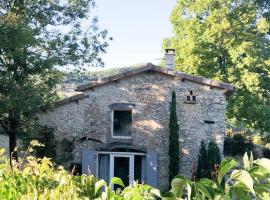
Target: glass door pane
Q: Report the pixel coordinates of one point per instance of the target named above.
(104, 167)
(121, 169)
(139, 168)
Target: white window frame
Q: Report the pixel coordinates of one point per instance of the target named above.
(112, 125)
(112, 155)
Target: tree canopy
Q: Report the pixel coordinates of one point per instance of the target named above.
(37, 37)
(228, 40)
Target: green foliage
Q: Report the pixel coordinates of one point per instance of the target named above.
(73, 78)
(37, 178)
(86, 76)
(67, 148)
(250, 181)
(36, 39)
(237, 145)
(173, 140)
(203, 167)
(46, 137)
(32, 178)
(213, 153)
(208, 160)
(228, 40)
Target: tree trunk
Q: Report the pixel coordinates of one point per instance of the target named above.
(12, 133)
(12, 145)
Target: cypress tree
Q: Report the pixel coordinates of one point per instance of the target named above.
(173, 140)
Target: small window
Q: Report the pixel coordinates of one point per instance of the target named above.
(191, 98)
(122, 124)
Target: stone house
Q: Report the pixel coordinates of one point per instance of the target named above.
(120, 125)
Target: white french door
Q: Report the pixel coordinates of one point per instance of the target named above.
(129, 167)
(122, 166)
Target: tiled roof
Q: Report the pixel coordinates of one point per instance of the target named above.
(73, 98)
(150, 67)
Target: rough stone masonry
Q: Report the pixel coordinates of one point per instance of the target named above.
(201, 106)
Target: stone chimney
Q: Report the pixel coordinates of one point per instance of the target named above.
(169, 58)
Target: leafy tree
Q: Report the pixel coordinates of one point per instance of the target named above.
(36, 39)
(173, 140)
(228, 40)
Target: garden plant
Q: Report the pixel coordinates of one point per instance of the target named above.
(38, 178)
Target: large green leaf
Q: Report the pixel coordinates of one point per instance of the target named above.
(203, 190)
(211, 186)
(99, 185)
(222, 197)
(209, 183)
(117, 181)
(264, 162)
(178, 184)
(169, 196)
(258, 172)
(225, 166)
(189, 189)
(262, 188)
(241, 193)
(244, 177)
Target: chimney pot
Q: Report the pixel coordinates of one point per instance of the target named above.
(169, 58)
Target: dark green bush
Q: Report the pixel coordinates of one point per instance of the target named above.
(203, 166)
(237, 145)
(208, 160)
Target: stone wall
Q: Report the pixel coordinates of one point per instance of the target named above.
(151, 94)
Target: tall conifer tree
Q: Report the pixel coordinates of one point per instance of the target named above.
(173, 140)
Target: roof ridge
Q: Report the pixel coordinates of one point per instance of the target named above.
(150, 66)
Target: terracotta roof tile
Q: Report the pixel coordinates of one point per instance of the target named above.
(150, 67)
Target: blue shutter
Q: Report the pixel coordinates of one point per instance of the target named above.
(88, 162)
(151, 168)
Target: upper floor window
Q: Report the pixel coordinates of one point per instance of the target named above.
(122, 124)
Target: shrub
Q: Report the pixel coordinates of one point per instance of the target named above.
(203, 167)
(208, 160)
(37, 178)
(250, 181)
(237, 145)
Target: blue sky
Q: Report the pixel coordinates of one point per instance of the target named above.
(137, 28)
